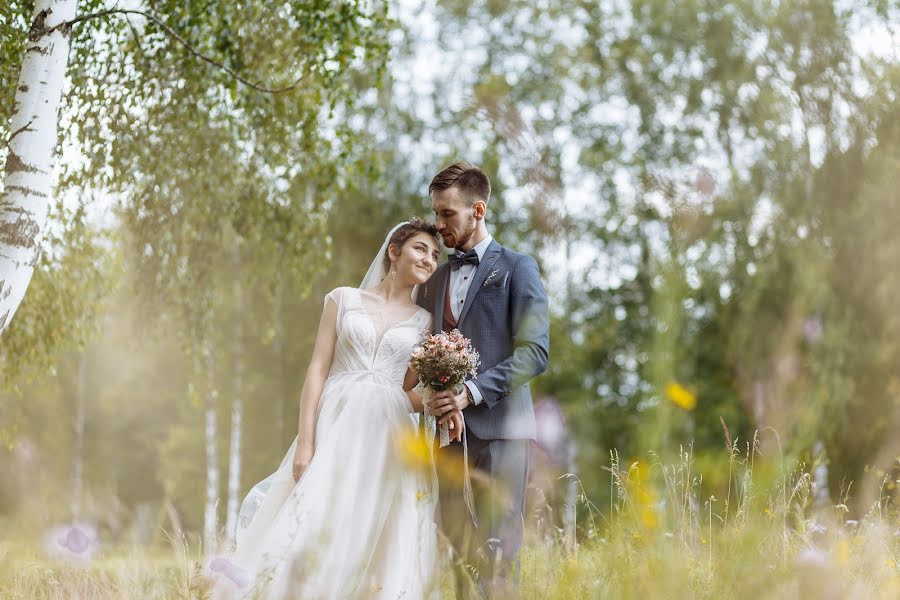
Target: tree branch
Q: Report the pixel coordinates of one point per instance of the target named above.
(22, 129)
(175, 36)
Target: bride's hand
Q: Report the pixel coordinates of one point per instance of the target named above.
(302, 457)
(456, 426)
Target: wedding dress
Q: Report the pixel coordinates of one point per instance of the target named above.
(359, 523)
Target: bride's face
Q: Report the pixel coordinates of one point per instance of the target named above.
(418, 258)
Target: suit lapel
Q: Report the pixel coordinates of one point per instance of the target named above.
(481, 273)
(441, 283)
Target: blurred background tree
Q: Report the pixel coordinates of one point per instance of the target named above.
(709, 187)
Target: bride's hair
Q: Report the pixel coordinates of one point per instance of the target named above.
(412, 227)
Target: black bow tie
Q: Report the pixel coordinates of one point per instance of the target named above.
(459, 259)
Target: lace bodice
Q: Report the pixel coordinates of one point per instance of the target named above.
(374, 337)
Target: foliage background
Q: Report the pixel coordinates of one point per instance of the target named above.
(710, 188)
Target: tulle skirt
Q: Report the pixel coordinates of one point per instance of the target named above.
(360, 521)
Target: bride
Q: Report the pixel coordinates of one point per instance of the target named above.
(343, 516)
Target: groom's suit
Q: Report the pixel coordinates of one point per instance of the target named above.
(505, 314)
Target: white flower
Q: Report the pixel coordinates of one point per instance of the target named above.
(812, 557)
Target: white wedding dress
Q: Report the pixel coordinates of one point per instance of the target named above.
(359, 523)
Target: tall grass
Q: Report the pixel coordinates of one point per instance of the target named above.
(663, 535)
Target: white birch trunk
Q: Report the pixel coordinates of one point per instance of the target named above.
(78, 459)
(212, 461)
(279, 352)
(27, 183)
(237, 403)
(821, 495)
(570, 509)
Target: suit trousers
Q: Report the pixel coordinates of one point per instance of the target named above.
(484, 558)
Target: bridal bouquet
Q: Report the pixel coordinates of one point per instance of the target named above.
(443, 361)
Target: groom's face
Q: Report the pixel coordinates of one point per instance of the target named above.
(454, 217)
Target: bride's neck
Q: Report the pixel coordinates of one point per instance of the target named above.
(393, 293)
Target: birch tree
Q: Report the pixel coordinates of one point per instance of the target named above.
(125, 57)
(271, 85)
(28, 178)
(211, 500)
(237, 400)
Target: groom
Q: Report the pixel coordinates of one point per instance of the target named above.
(495, 297)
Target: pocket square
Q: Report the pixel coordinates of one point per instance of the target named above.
(494, 280)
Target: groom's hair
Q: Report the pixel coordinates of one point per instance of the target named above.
(471, 181)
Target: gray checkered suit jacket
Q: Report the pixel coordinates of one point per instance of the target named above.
(506, 317)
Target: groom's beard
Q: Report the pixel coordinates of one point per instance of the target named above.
(466, 236)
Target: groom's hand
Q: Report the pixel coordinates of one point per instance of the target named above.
(447, 402)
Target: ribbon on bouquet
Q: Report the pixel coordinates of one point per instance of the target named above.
(431, 431)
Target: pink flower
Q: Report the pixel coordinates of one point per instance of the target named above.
(224, 566)
(75, 543)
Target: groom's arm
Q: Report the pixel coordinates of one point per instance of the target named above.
(531, 337)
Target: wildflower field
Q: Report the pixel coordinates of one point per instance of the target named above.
(663, 536)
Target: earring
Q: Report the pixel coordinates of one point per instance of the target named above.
(393, 272)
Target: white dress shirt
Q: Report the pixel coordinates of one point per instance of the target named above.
(460, 280)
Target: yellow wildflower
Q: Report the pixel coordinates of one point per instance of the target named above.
(842, 552)
(681, 396)
(414, 450)
(644, 493)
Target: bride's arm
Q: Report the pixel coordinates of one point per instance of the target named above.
(415, 399)
(316, 374)
(410, 381)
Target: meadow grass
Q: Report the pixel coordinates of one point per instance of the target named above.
(661, 536)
